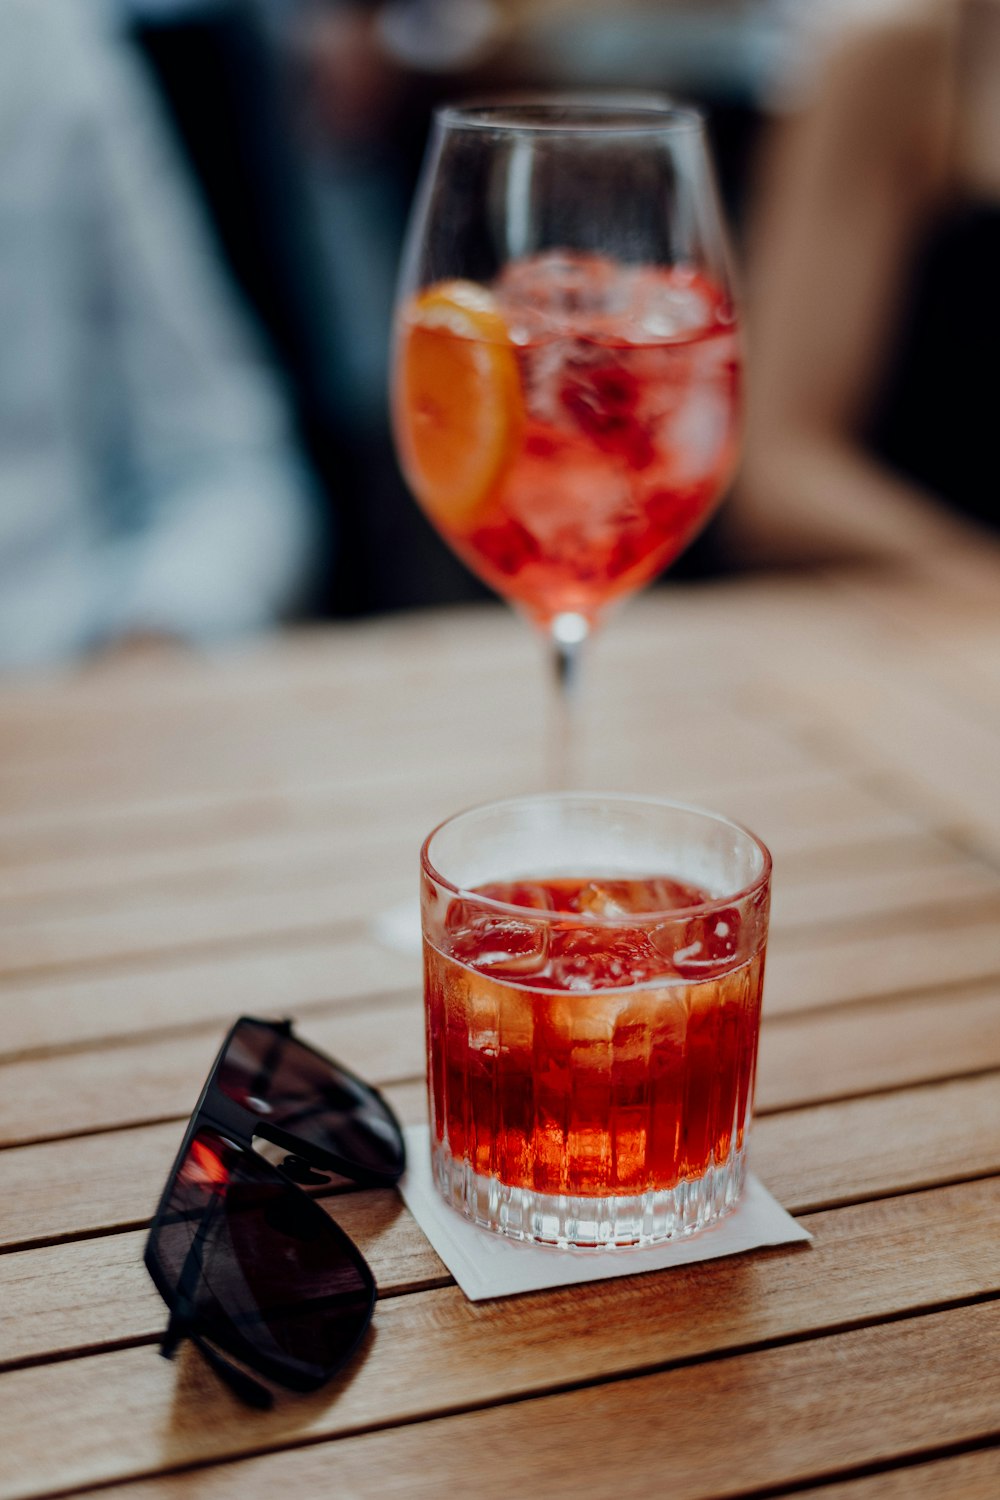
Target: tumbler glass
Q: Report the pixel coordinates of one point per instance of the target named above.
(593, 969)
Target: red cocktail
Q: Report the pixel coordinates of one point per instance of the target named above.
(570, 428)
(592, 1037)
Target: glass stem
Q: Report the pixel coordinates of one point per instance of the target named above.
(568, 633)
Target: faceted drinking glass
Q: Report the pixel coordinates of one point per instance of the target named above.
(593, 968)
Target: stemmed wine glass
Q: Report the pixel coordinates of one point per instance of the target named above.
(566, 368)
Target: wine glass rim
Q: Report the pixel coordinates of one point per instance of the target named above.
(608, 112)
(748, 891)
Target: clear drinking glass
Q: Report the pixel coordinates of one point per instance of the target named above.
(593, 969)
(566, 369)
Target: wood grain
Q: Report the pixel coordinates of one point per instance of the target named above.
(158, 1078)
(173, 990)
(818, 970)
(164, 842)
(207, 992)
(884, 705)
(967, 1476)
(902, 1387)
(805, 1059)
(924, 882)
(873, 1260)
(810, 1158)
(835, 1153)
(484, 751)
(334, 888)
(806, 969)
(819, 1055)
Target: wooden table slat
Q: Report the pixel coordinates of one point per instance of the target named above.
(809, 1158)
(117, 847)
(805, 1059)
(873, 1260)
(843, 963)
(204, 992)
(961, 1476)
(331, 890)
(911, 1386)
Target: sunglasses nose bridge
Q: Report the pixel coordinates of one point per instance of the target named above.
(229, 1117)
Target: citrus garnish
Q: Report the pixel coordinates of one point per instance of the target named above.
(459, 404)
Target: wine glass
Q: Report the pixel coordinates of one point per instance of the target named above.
(566, 367)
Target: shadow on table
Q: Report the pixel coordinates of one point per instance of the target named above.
(207, 1420)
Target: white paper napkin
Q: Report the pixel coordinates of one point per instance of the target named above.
(398, 928)
(489, 1265)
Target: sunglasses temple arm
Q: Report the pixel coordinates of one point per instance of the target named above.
(182, 1313)
(182, 1326)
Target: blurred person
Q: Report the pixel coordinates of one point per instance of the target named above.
(303, 129)
(214, 69)
(149, 481)
(874, 309)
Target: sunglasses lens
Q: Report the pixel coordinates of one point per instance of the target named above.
(258, 1266)
(292, 1086)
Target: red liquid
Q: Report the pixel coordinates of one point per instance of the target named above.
(568, 1057)
(627, 436)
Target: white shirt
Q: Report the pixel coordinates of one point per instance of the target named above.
(148, 479)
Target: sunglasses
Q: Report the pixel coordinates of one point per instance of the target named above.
(250, 1266)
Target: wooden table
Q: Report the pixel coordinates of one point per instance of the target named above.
(184, 839)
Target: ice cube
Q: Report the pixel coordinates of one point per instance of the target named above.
(703, 947)
(502, 945)
(696, 433)
(576, 1020)
(600, 398)
(481, 1017)
(497, 1016)
(494, 942)
(608, 898)
(562, 291)
(563, 286)
(543, 377)
(587, 958)
(666, 303)
(615, 898)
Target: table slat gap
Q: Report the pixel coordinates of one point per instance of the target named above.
(964, 1471)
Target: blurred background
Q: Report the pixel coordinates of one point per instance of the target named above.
(202, 204)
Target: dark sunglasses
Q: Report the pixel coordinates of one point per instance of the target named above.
(248, 1264)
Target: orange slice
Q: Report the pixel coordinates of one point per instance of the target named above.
(459, 405)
